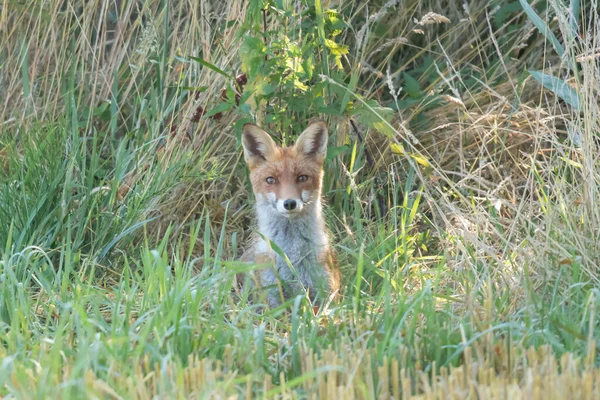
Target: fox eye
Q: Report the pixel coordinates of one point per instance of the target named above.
(271, 180)
(302, 178)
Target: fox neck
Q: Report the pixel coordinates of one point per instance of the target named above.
(309, 227)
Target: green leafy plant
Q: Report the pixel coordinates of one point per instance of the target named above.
(553, 83)
(293, 74)
(284, 66)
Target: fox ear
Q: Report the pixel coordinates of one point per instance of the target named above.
(313, 141)
(258, 145)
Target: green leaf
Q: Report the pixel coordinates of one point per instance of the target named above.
(399, 149)
(351, 88)
(320, 19)
(195, 89)
(411, 86)
(542, 27)
(504, 12)
(252, 53)
(335, 48)
(300, 85)
(308, 66)
(102, 112)
(219, 108)
(333, 152)
(338, 50)
(334, 22)
(298, 103)
(327, 110)
(559, 87)
(375, 116)
(574, 17)
(211, 66)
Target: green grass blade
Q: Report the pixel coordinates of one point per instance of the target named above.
(559, 87)
(210, 66)
(120, 236)
(542, 27)
(25, 70)
(574, 11)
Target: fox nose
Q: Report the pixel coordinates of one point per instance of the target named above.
(289, 204)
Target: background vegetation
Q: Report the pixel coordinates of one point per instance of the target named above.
(461, 186)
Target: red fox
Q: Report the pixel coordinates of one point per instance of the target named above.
(287, 185)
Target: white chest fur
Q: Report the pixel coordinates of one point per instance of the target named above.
(302, 239)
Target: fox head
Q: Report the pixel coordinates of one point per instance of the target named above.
(286, 180)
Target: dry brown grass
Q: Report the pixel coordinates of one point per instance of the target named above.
(535, 374)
